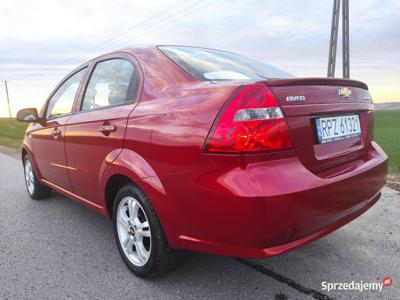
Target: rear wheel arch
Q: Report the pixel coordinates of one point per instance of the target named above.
(113, 185)
(127, 166)
(150, 187)
(121, 168)
(131, 166)
(133, 230)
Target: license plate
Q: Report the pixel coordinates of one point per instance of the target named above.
(330, 129)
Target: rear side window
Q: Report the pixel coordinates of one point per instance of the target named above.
(113, 82)
(63, 99)
(208, 64)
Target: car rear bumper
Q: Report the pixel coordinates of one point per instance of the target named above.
(268, 208)
(247, 252)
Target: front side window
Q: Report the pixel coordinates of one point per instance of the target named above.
(113, 82)
(209, 64)
(63, 99)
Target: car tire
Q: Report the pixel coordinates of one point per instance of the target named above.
(137, 226)
(35, 189)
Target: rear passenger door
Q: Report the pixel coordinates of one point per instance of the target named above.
(95, 132)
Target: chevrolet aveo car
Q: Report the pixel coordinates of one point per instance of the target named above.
(189, 148)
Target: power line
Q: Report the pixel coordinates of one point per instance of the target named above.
(199, 8)
(79, 55)
(157, 15)
(157, 24)
(164, 18)
(163, 21)
(167, 16)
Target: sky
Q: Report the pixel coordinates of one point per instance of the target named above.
(41, 41)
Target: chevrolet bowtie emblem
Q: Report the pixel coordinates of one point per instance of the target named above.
(344, 92)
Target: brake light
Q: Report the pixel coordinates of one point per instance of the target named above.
(250, 122)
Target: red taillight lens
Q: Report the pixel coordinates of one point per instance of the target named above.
(250, 122)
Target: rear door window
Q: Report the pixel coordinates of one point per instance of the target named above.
(113, 82)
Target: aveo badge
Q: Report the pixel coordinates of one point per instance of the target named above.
(295, 98)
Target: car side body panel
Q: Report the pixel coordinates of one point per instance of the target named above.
(176, 110)
(87, 149)
(52, 165)
(166, 131)
(255, 205)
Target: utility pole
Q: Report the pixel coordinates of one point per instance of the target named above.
(8, 101)
(345, 38)
(333, 40)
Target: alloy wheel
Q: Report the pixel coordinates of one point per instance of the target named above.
(134, 232)
(29, 177)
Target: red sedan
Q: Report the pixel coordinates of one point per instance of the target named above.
(205, 150)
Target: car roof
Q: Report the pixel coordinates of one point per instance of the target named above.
(134, 48)
(140, 48)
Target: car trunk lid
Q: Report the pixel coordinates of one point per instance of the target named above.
(303, 100)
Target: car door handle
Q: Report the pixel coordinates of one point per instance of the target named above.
(56, 132)
(106, 129)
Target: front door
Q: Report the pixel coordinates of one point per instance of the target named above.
(47, 140)
(95, 134)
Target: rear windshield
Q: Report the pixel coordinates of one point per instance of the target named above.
(208, 64)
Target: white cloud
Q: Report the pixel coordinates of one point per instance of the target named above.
(294, 35)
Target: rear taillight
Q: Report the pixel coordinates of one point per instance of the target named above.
(250, 122)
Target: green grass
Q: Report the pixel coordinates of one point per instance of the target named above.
(11, 132)
(387, 134)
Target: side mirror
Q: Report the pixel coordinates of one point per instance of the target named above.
(28, 115)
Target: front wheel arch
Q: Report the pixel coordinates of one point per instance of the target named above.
(23, 154)
(35, 189)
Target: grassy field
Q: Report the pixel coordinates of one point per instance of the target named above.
(11, 132)
(387, 134)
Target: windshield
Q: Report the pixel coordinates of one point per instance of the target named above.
(208, 64)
